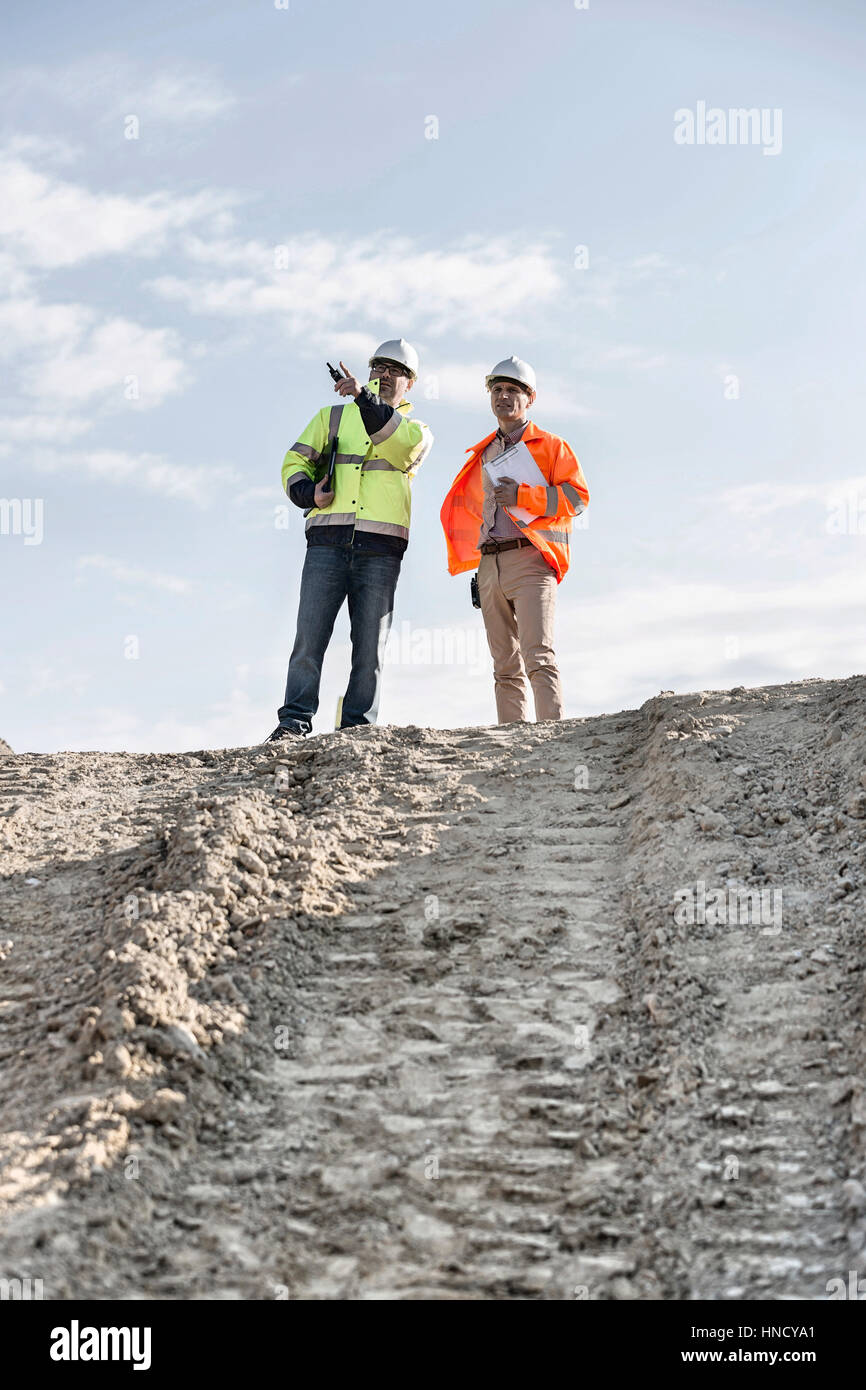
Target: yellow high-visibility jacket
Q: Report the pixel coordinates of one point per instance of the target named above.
(373, 472)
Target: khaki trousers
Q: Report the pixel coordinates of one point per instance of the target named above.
(517, 589)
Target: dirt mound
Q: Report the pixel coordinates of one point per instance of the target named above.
(548, 1011)
(4, 748)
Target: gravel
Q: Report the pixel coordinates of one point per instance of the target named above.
(427, 1016)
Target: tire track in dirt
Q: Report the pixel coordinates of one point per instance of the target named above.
(756, 1050)
(409, 1014)
(450, 1087)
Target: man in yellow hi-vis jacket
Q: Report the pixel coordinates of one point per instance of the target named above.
(356, 535)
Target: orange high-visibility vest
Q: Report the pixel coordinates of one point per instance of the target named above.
(554, 506)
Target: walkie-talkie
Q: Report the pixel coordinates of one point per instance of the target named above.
(334, 373)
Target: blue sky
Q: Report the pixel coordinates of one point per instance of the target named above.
(159, 353)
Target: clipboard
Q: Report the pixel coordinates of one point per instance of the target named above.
(517, 463)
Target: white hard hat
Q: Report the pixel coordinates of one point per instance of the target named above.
(513, 369)
(398, 350)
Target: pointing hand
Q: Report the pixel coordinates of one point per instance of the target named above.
(349, 385)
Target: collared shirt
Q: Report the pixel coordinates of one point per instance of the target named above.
(496, 523)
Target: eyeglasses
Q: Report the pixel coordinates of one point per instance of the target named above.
(393, 368)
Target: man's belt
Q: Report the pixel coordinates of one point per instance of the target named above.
(491, 547)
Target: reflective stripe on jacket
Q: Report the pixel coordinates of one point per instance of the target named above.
(565, 496)
(373, 473)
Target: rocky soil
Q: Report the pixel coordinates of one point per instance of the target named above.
(471, 1014)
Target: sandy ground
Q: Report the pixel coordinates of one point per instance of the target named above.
(404, 1014)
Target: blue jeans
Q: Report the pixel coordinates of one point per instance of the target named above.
(332, 573)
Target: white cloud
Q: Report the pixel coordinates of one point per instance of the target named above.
(762, 499)
(476, 286)
(50, 149)
(180, 94)
(14, 278)
(126, 574)
(70, 352)
(50, 223)
(66, 354)
(141, 366)
(172, 94)
(42, 429)
(147, 472)
(27, 323)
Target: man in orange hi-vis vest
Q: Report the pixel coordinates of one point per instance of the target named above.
(520, 561)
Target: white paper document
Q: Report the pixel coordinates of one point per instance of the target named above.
(517, 463)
